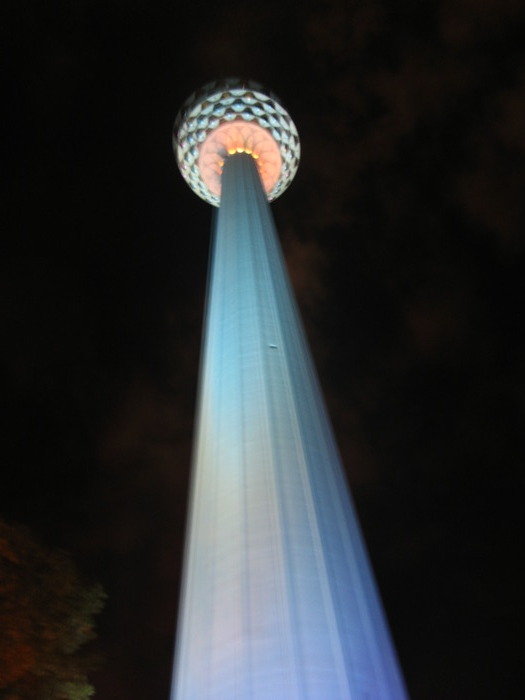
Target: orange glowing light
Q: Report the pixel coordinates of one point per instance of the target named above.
(239, 136)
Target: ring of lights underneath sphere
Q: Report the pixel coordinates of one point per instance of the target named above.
(239, 137)
(234, 116)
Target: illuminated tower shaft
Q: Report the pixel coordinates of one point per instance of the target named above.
(278, 598)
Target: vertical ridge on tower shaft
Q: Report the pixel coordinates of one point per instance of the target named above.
(278, 598)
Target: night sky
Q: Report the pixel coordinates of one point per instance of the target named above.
(403, 232)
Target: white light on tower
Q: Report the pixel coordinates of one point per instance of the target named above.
(278, 598)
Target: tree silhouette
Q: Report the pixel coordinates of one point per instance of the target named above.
(46, 615)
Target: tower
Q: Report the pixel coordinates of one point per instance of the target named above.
(278, 598)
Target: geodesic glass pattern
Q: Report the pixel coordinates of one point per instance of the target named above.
(235, 116)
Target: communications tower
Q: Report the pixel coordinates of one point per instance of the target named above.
(278, 599)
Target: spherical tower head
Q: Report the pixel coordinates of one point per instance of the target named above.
(234, 116)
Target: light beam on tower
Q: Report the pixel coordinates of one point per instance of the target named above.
(278, 599)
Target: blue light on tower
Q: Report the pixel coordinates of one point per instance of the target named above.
(278, 597)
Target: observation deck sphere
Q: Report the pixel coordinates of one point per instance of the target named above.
(234, 116)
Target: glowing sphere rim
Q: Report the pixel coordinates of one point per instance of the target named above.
(223, 101)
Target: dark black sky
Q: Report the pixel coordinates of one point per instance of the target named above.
(404, 235)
